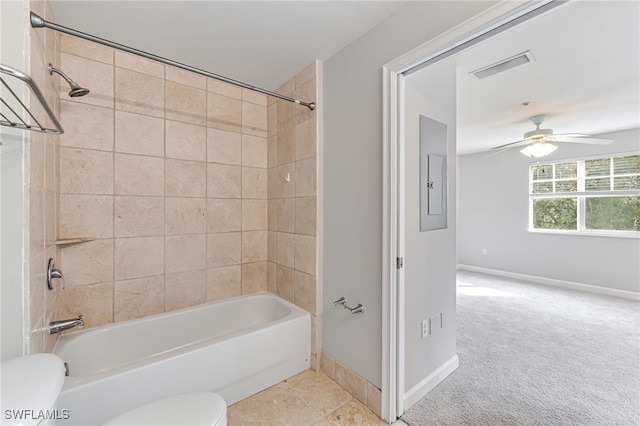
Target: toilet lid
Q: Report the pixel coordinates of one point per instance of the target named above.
(30, 384)
(194, 408)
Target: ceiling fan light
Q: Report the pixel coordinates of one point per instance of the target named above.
(536, 150)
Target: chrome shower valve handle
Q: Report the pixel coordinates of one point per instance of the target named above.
(53, 273)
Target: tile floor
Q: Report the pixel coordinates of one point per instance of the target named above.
(309, 398)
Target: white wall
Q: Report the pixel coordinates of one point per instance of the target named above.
(493, 214)
(12, 27)
(430, 265)
(352, 169)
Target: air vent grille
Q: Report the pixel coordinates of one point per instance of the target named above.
(506, 64)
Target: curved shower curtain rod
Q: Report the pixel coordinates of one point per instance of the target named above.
(38, 22)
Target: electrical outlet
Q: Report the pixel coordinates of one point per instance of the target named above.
(426, 328)
(484, 251)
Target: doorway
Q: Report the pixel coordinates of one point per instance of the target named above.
(405, 331)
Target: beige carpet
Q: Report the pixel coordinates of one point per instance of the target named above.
(537, 355)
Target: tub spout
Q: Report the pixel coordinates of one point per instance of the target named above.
(62, 325)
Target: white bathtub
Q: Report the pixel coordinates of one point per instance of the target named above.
(235, 347)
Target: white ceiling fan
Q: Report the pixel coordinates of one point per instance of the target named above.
(539, 142)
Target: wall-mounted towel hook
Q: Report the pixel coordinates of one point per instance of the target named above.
(53, 273)
(342, 303)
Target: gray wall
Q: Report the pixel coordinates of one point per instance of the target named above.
(12, 22)
(430, 265)
(493, 214)
(352, 169)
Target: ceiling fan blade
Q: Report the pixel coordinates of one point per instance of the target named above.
(513, 144)
(496, 151)
(587, 140)
(571, 135)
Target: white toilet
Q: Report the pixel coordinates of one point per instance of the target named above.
(31, 385)
(193, 408)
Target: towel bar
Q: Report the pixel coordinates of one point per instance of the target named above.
(342, 302)
(13, 112)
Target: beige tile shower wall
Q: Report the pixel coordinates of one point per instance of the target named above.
(41, 191)
(292, 221)
(167, 171)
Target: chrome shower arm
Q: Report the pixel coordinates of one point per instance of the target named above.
(51, 70)
(76, 89)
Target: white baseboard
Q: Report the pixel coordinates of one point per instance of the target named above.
(556, 283)
(414, 394)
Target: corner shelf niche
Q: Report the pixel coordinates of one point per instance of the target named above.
(70, 241)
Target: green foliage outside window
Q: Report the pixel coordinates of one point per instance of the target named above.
(615, 213)
(605, 209)
(597, 167)
(555, 213)
(541, 172)
(597, 184)
(626, 165)
(566, 170)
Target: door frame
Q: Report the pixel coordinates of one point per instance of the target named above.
(483, 26)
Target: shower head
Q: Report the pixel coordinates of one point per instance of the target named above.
(76, 89)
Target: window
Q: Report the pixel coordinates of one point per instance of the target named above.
(592, 195)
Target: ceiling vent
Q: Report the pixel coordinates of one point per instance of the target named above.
(506, 64)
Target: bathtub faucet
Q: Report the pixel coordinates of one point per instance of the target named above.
(62, 325)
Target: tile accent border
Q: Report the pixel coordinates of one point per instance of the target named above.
(352, 382)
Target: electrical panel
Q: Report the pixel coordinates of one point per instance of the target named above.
(433, 174)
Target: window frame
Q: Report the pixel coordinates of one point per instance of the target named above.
(580, 194)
